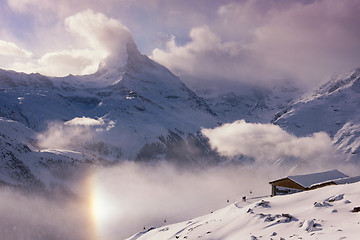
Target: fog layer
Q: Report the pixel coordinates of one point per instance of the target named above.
(116, 202)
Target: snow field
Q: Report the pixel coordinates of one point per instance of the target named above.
(324, 213)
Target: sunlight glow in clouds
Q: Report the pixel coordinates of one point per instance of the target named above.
(100, 37)
(129, 196)
(251, 41)
(101, 32)
(105, 206)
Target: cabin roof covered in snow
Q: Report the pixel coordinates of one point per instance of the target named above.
(348, 180)
(313, 179)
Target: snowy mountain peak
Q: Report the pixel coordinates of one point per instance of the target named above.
(350, 79)
(130, 69)
(118, 60)
(147, 112)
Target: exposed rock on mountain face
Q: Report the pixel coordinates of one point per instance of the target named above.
(251, 103)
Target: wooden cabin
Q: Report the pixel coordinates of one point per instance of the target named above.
(298, 183)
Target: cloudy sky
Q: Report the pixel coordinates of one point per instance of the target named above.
(232, 41)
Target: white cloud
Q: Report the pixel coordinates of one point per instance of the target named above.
(99, 37)
(253, 41)
(13, 50)
(104, 34)
(60, 136)
(85, 121)
(74, 133)
(248, 41)
(206, 55)
(311, 41)
(100, 31)
(62, 63)
(135, 195)
(269, 144)
(75, 61)
(130, 195)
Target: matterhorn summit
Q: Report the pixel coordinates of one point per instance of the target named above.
(122, 58)
(132, 108)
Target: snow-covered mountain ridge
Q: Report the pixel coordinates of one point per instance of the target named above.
(333, 108)
(143, 99)
(132, 108)
(251, 103)
(24, 166)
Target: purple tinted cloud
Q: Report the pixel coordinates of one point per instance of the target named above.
(248, 41)
(259, 43)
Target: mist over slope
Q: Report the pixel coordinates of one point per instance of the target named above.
(252, 103)
(135, 109)
(132, 108)
(55, 128)
(139, 105)
(333, 108)
(24, 166)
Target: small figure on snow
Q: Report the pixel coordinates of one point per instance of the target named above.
(244, 198)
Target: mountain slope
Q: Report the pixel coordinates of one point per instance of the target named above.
(333, 108)
(251, 103)
(145, 111)
(23, 165)
(133, 108)
(281, 217)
